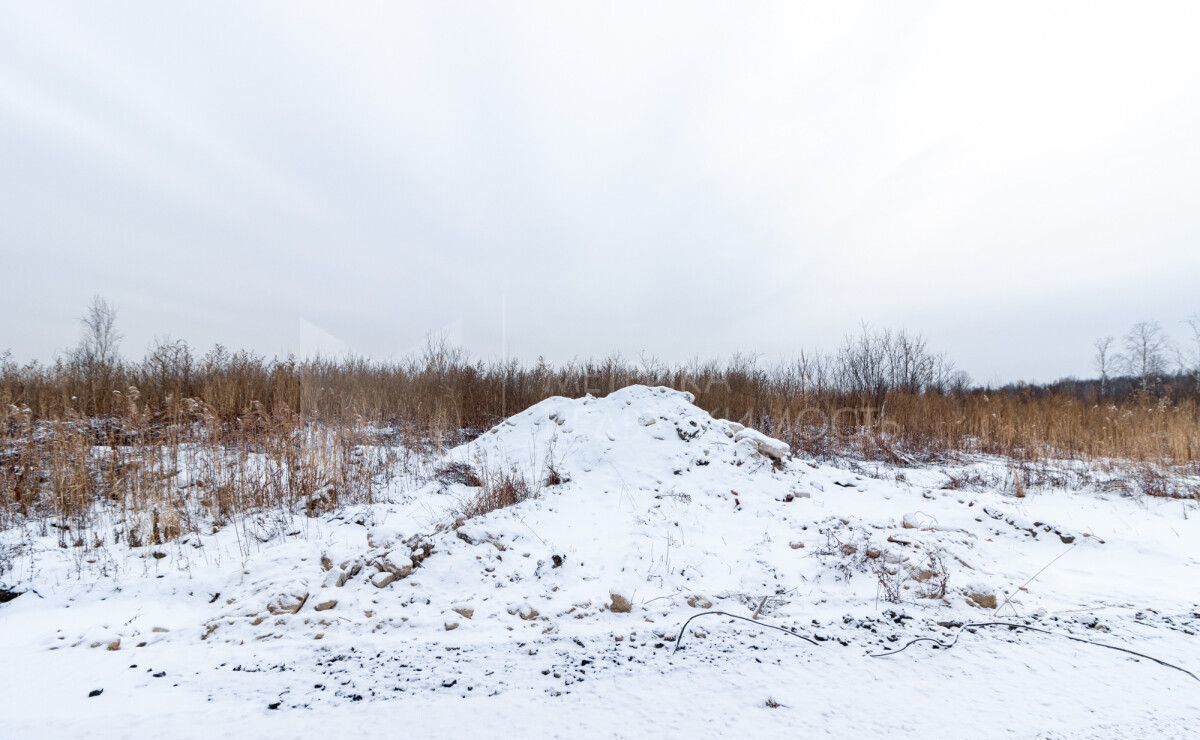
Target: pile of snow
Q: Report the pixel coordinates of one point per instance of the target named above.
(639, 502)
(633, 497)
(650, 439)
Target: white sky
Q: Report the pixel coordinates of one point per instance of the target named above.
(570, 180)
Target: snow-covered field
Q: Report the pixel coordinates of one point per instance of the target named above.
(560, 615)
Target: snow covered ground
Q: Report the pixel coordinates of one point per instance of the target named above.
(559, 615)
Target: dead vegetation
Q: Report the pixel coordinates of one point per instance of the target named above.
(500, 490)
(883, 396)
(149, 478)
(179, 443)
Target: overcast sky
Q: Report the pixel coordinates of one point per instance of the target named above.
(573, 179)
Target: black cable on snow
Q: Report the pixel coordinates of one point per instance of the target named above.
(785, 630)
(935, 641)
(1014, 625)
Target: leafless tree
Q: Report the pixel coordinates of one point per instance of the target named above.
(168, 365)
(911, 364)
(101, 341)
(879, 361)
(863, 363)
(1146, 352)
(1104, 360)
(1191, 358)
(957, 381)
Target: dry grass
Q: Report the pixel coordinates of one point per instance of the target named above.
(147, 478)
(499, 489)
(179, 445)
(812, 404)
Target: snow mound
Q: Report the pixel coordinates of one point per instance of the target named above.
(636, 495)
(648, 436)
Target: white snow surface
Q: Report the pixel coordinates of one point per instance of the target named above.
(405, 616)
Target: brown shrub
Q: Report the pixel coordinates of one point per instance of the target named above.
(500, 490)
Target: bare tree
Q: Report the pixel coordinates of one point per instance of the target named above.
(1104, 360)
(1146, 351)
(863, 364)
(956, 381)
(168, 365)
(912, 366)
(876, 362)
(100, 341)
(1191, 360)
